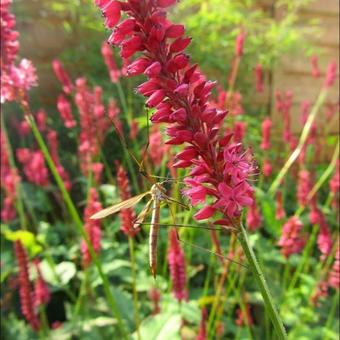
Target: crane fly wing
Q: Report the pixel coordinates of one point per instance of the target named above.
(117, 207)
(140, 218)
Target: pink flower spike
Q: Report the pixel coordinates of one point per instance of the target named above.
(331, 74)
(62, 76)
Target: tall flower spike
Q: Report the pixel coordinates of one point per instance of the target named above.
(259, 78)
(41, 291)
(34, 166)
(9, 180)
(127, 216)
(65, 111)
(303, 187)
(110, 62)
(180, 95)
(266, 127)
(92, 227)
(291, 241)
(334, 275)
(176, 263)
(25, 290)
(62, 76)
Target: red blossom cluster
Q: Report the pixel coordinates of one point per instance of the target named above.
(179, 95)
(334, 274)
(93, 123)
(52, 139)
(127, 216)
(291, 241)
(283, 105)
(280, 211)
(266, 128)
(240, 130)
(62, 76)
(231, 101)
(259, 78)
(25, 288)
(176, 263)
(314, 60)
(15, 80)
(92, 227)
(65, 110)
(110, 62)
(9, 180)
(41, 291)
(303, 187)
(267, 168)
(34, 166)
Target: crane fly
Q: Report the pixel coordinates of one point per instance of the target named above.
(158, 195)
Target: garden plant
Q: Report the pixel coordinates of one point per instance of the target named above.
(150, 202)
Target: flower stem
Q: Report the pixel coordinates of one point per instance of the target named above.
(134, 290)
(259, 277)
(306, 255)
(332, 312)
(76, 218)
(304, 135)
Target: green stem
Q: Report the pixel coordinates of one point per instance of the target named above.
(304, 135)
(134, 290)
(305, 258)
(78, 222)
(332, 313)
(123, 102)
(259, 278)
(326, 173)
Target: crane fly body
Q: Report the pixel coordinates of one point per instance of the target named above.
(158, 195)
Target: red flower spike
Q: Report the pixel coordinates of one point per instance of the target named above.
(41, 290)
(92, 227)
(62, 76)
(331, 74)
(266, 127)
(291, 241)
(176, 263)
(110, 62)
(127, 216)
(180, 94)
(25, 288)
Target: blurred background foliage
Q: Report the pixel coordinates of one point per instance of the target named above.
(73, 31)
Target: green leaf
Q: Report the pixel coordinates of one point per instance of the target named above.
(161, 327)
(62, 275)
(27, 238)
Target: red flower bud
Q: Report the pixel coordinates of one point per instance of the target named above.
(155, 98)
(179, 44)
(137, 67)
(153, 70)
(174, 31)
